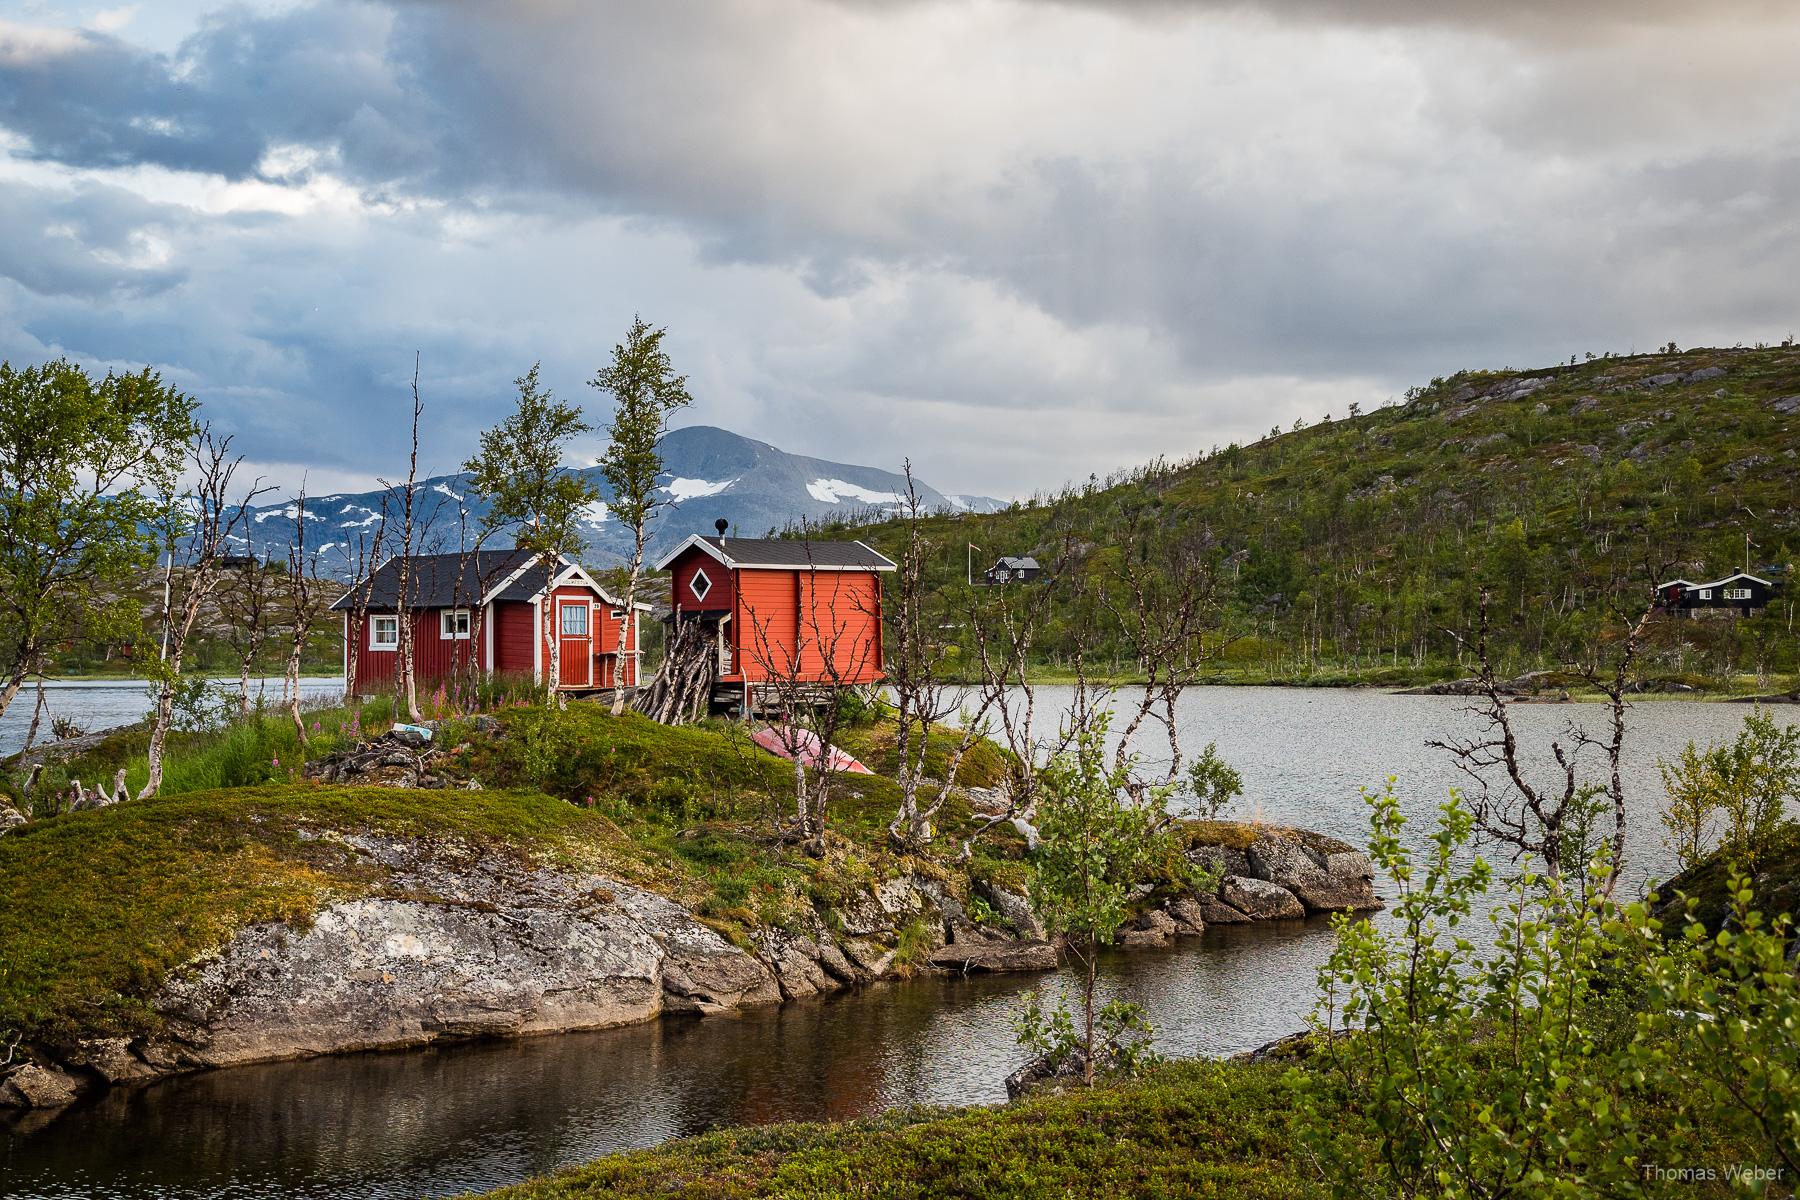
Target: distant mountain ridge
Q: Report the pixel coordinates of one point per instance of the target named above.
(709, 473)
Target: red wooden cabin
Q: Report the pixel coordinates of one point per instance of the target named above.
(491, 605)
(796, 611)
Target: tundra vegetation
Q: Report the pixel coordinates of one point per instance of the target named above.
(1351, 550)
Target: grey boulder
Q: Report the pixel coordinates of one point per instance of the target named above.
(1259, 899)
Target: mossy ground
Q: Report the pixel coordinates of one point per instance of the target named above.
(1190, 1129)
(97, 907)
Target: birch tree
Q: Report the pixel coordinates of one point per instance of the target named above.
(80, 463)
(918, 676)
(306, 598)
(646, 391)
(198, 527)
(406, 684)
(519, 471)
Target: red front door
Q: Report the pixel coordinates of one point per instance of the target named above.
(576, 653)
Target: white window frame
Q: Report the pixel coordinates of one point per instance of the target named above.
(1706, 593)
(618, 614)
(447, 624)
(587, 619)
(700, 584)
(384, 621)
(1737, 593)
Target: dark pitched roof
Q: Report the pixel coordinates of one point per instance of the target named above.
(434, 580)
(796, 553)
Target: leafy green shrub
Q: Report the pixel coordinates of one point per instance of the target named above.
(1574, 1053)
(1734, 795)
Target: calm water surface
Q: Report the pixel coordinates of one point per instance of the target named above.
(96, 704)
(437, 1122)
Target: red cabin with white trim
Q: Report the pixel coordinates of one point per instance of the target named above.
(490, 605)
(780, 609)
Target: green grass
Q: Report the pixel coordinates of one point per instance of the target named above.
(97, 907)
(1193, 1129)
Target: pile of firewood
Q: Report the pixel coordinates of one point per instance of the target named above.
(682, 689)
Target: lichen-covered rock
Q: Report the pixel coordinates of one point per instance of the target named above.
(1260, 899)
(1188, 916)
(969, 957)
(1324, 881)
(34, 1085)
(458, 945)
(1013, 908)
(113, 1060)
(1217, 912)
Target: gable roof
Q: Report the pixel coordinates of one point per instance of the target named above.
(1019, 563)
(793, 554)
(1731, 579)
(434, 581)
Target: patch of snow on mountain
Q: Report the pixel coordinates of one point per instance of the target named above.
(835, 491)
(692, 489)
(596, 513)
(445, 490)
(290, 512)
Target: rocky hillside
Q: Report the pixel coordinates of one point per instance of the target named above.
(710, 474)
(623, 873)
(1347, 547)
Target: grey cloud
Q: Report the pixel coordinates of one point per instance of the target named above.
(90, 244)
(241, 84)
(1293, 194)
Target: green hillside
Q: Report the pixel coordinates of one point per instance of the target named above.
(1346, 548)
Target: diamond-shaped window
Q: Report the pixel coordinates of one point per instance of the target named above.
(699, 585)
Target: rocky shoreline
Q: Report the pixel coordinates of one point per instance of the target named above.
(458, 943)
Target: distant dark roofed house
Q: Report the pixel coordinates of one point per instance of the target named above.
(1741, 593)
(1013, 569)
(497, 610)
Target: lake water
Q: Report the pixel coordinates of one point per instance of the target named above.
(437, 1122)
(96, 704)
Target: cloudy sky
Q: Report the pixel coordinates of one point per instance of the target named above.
(1019, 240)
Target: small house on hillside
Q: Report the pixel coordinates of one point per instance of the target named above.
(1013, 570)
(491, 605)
(797, 612)
(1742, 593)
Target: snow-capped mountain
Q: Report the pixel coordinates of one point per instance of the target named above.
(709, 474)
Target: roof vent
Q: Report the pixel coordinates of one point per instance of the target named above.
(721, 525)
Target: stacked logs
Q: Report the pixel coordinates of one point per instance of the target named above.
(682, 688)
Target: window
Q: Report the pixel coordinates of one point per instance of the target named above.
(1706, 593)
(1737, 593)
(453, 624)
(575, 620)
(699, 585)
(384, 633)
(618, 614)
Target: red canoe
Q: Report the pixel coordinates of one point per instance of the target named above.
(803, 744)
